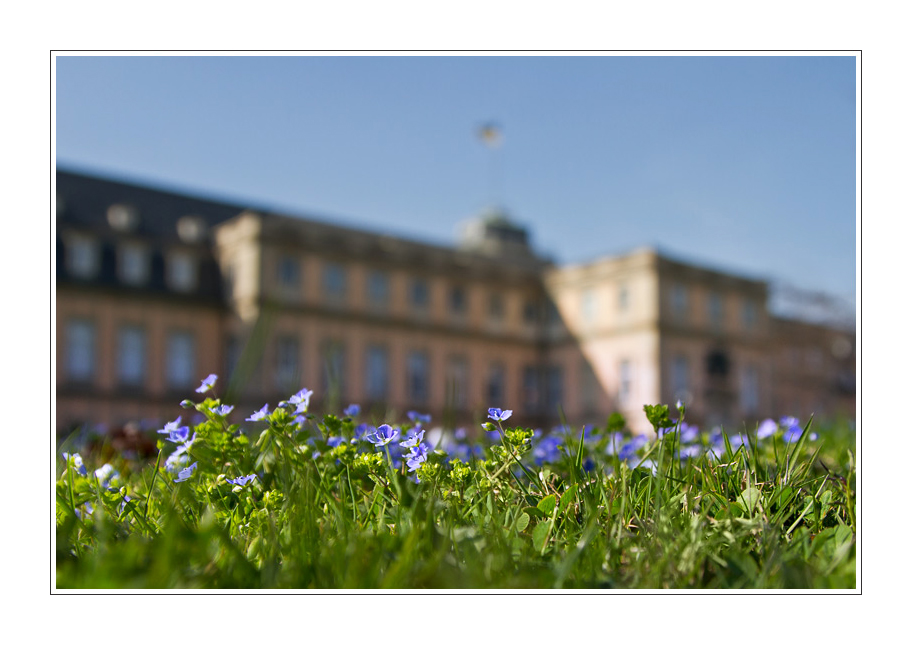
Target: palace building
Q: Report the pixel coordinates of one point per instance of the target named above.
(156, 290)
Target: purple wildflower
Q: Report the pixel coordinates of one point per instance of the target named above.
(242, 481)
(766, 429)
(185, 474)
(629, 449)
(301, 400)
(413, 438)
(260, 414)
(417, 456)
(352, 411)
(383, 435)
(497, 414)
(223, 410)
(418, 418)
(207, 383)
(77, 463)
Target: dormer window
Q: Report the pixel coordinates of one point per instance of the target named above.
(133, 264)
(191, 229)
(123, 217)
(82, 256)
(181, 271)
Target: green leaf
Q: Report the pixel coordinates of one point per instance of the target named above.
(539, 534)
(658, 416)
(616, 422)
(566, 498)
(547, 505)
(534, 512)
(749, 498)
(522, 522)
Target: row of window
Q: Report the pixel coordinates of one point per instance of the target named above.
(131, 355)
(715, 308)
(542, 386)
(335, 289)
(748, 383)
(83, 260)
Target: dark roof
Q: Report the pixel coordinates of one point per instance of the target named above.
(86, 201)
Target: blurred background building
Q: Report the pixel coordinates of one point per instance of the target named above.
(157, 290)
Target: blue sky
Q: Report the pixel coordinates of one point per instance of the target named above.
(745, 163)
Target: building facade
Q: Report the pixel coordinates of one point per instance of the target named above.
(156, 290)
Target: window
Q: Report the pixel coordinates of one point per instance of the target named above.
(419, 294)
(180, 359)
(715, 310)
(814, 358)
(554, 388)
(679, 304)
(134, 264)
(334, 282)
(552, 316)
(131, 355)
(417, 374)
(181, 271)
(530, 312)
(587, 306)
(496, 388)
(588, 387)
(749, 314)
(288, 272)
(82, 256)
(495, 308)
(457, 375)
(288, 363)
(458, 303)
(623, 298)
(750, 390)
(334, 369)
(377, 365)
(80, 356)
(680, 378)
(232, 356)
(625, 383)
(531, 391)
(378, 290)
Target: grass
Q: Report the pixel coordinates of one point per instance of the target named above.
(328, 508)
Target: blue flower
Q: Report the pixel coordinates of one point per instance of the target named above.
(301, 400)
(766, 429)
(546, 450)
(629, 449)
(179, 435)
(689, 452)
(417, 456)
(352, 411)
(689, 432)
(105, 475)
(77, 462)
(178, 459)
(413, 438)
(223, 410)
(170, 426)
(383, 435)
(242, 481)
(499, 415)
(334, 442)
(418, 418)
(207, 384)
(88, 508)
(260, 414)
(184, 475)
